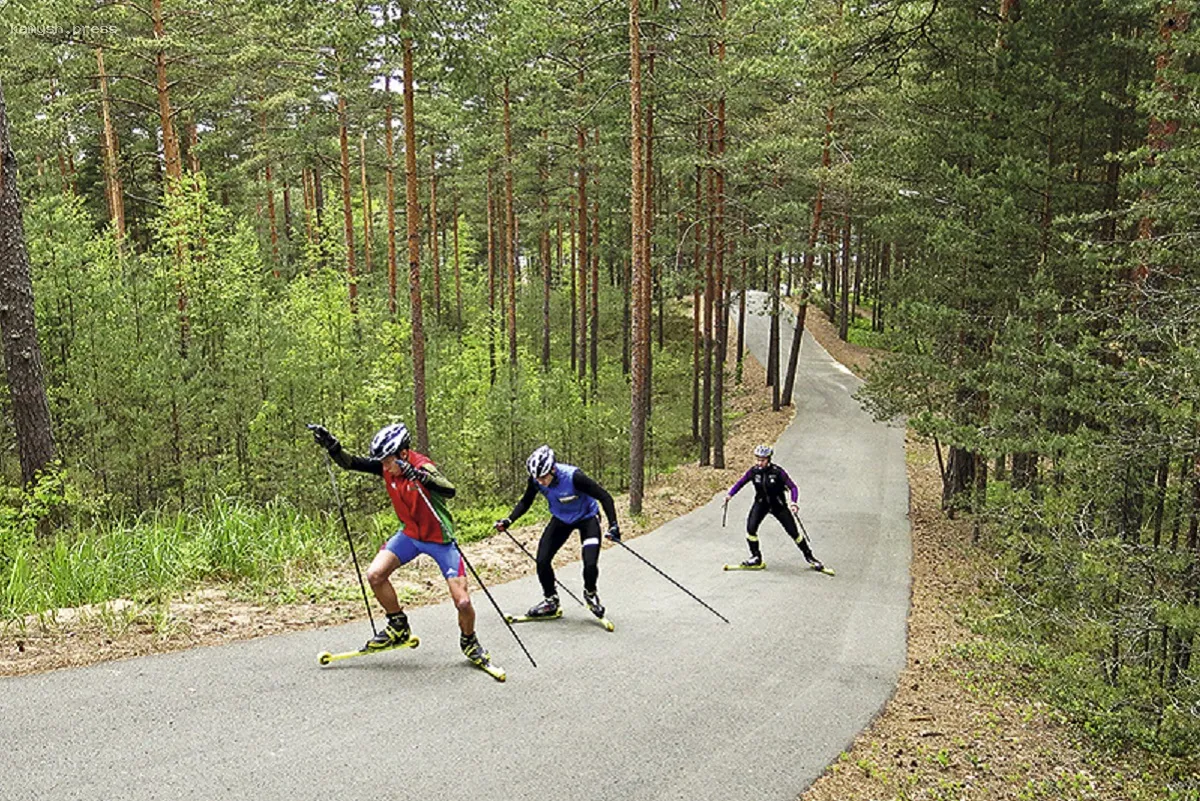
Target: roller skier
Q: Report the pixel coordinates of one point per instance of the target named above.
(418, 491)
(575, 501)
(771, 486)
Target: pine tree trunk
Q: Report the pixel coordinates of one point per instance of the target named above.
(412, 212)
(458, 301)
(814, 233)
(116, 196)
(510, 236)
(270, 188)
(709, 295)
(581, 208)
(491, 260)
(594, 352)
(697, 283)
(347, 206)
(366, 203)
(574, 280)
(846, 311)
(435, 261)
(640, 315)
(722, 311)
(174, 167)
(391, 199)
(18, 324)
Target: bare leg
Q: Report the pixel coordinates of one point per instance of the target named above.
(381, 567)
(462, 602)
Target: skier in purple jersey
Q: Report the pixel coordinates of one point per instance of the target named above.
(771, 485)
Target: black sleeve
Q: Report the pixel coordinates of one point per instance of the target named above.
(432, 479)
(589, 487)
(531, 492)
(350, 462)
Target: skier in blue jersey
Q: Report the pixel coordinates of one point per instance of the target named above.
(575, 501)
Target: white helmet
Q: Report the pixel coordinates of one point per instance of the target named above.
(764, 452)
(540, 462)
(390, 440)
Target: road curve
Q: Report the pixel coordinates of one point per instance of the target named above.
(674, 705)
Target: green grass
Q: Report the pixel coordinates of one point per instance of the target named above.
(153, 557)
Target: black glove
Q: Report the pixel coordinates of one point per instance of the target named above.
(406, 469)
(614, 533)
(323, 438)
(503, 524)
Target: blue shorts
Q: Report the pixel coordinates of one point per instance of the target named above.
(446, 554)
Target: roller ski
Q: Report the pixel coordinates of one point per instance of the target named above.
(753, 563)
(480, 658)
(394, 636)
(816, 564)
(548, 609)
(596, 608)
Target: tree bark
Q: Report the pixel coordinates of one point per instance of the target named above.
(18, 324)
(366, 203)
(722, 311)
(116, 196)
(458, 303)
(412, 212)
(583, 230)
(347, 206)
(435, 261)
(391, 199)
(640, 315)
(510, 235)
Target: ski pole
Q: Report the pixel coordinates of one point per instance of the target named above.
(673, 581)
(534, 558)
(724, 512)
(486, 591)
(803, 530)
(346, 527)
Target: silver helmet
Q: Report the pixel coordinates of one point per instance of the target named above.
(390, 440)
(763, 452)
(540, 462)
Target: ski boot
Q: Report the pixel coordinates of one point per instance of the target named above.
(478, 657)
(394, 634)
(753, 562)
(593, 603)
(547, 608)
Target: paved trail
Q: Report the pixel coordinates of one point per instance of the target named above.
(674, 705)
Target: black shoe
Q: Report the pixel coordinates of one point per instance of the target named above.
(816, 565)
(754, 562)
(593, 603)
(396, 632)
(473, 651)
(547, 608)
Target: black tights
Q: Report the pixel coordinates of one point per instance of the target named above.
(554, 537)
(758, 513)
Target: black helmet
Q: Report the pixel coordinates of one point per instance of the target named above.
(390, 440)
(540, 462)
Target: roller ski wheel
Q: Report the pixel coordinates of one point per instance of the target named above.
(326, 657)
(592, 602)
(744, 566)
(495, 671)
(533, 618)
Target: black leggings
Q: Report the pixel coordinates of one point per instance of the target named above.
(759, 511)
(554, 537)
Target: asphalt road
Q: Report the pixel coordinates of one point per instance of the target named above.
(674, 705)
